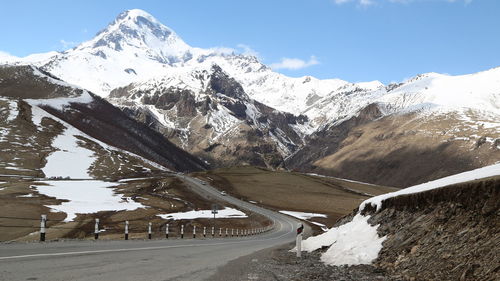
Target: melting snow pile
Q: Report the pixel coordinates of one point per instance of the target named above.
(355, 242)
(85, 197)
(204, 214)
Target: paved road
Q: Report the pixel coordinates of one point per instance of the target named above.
(173, 259)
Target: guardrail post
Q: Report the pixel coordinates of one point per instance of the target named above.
(194, 231)
(166, 231)
(204, 231)
(96, 229)
(213, 232)
(226, 231)
(126, 230)
(237, 233)
(232, 232)
(149, 230)
(220, 231)
(42, 227)
(182, 231)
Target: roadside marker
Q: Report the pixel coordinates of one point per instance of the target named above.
(96, 229)
(42, 227)
(126, 230)
(300, 229)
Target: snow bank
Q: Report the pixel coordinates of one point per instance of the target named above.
(355, 242)
(204, 214)
(303, 216)
(85, 197)
(485, 172)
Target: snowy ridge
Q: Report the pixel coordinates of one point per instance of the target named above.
(485, 172)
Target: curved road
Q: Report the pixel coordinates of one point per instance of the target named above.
(174, 259)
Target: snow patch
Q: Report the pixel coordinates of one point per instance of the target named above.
(302, 215)
(85, 197)
(355, 242)
(204, 214)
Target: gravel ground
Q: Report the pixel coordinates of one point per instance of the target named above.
(279, 264)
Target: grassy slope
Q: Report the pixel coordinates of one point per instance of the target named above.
(293, 191)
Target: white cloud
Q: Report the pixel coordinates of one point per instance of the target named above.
(67, 44)
(247, 50)
(294, 63)
(223, 50)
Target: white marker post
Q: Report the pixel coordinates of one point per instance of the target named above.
(220, 231)
(166, 231)
(42, 227)
(237, 230)
(126, 230)
(232, 232)
(149, 230)
(213, 231)
(204, 232)
(226, 231)
(194, 231)
(182, 231)
(300, 229)
(96, 229)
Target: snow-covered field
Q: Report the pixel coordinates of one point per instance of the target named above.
(225, 213)
(85, 197)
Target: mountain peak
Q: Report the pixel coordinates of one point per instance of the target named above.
(138, 30)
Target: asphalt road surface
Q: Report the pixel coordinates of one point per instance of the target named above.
(173, 259)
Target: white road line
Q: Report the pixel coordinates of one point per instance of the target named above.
(143, 248)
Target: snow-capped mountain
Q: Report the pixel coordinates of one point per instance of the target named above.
(154, 76)
(209, 114)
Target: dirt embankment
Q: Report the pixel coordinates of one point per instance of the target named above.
(451, 233)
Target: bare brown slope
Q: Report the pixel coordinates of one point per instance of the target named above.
(399, 150)
(451, 233)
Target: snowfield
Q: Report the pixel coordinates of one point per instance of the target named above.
(85, 197)
(226, 213)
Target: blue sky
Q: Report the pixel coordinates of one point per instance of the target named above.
(355, 40)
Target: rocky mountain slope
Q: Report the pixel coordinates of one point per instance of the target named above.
(208, 113)
(229, 108)
(426, 128)
(43, 114)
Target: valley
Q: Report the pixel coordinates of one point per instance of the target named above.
(156, 160)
